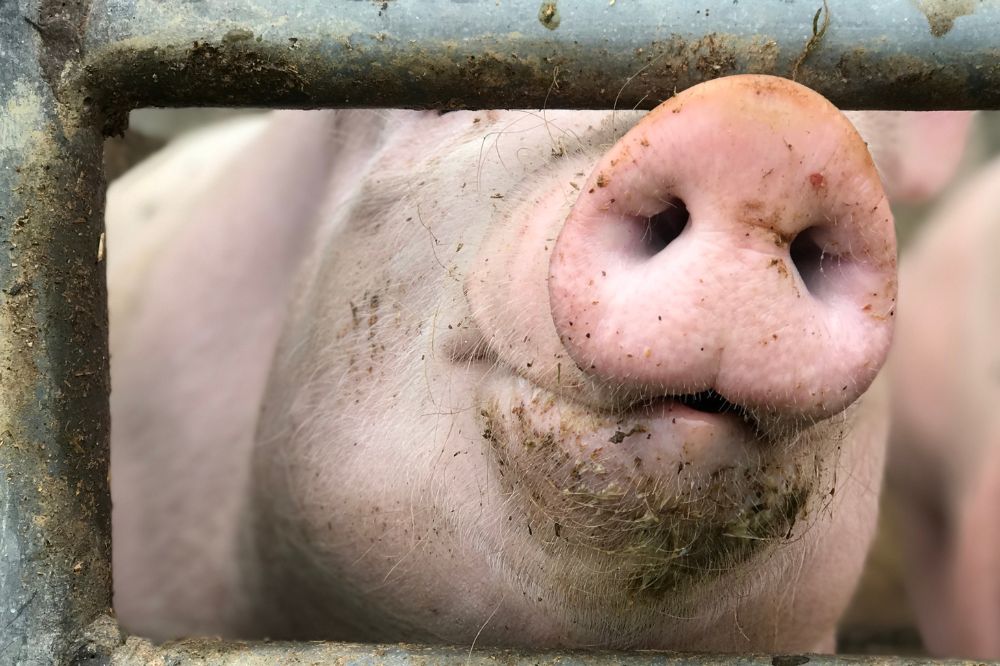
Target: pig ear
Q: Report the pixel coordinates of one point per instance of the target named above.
(917, 153)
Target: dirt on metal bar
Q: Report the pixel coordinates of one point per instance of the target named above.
(54, 501)
(243, 70)
(60, 95)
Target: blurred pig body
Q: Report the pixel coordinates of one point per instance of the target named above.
(377, 367)
(945, 469)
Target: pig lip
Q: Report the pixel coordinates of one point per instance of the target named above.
(708, 401)
(707, 404)
(472, 348)
(702, 429)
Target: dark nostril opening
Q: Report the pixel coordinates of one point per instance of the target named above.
(807, 255)
(665, 226)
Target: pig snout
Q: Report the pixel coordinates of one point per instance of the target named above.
(736, 240)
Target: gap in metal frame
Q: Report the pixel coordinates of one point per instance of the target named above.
(879, 621)
(150, 129)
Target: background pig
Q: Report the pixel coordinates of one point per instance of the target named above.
(917, 153)
(945, 471)
(551, 379)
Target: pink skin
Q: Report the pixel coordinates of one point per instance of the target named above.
(197, 299)
(434, 460)
(945, 461)
(749, 159)
(917, 152)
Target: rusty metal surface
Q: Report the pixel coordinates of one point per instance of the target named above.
(914, 54)
(136, 652)
(54, 500)
(104, 644)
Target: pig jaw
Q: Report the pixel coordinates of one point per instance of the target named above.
(430, 547)
(762, 557)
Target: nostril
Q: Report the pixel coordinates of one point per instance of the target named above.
(808, 256)
(661, 229)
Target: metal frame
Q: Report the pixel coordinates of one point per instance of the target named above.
(70, 70)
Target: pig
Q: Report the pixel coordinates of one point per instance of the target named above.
(945, 444)
(917, 153)
(553, 379)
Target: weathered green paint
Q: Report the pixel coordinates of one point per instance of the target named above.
(135, 652)
(448, 54)
(54, 499)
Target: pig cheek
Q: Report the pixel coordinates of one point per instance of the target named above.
(369, 428)
(829, 573)
(356, 504)
(507, 284)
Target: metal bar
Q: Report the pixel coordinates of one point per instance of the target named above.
(73, 68)
(54, 499)
(217, 653)
(909, 54)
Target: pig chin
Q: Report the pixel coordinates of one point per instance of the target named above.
(657, 501)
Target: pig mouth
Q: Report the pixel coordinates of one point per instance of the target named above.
(660, 497)
(708, 401)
